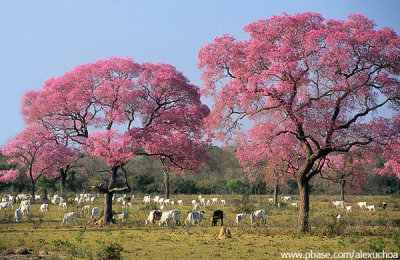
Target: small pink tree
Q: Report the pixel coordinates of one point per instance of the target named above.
(115, 108)
(349, 168)
(303, 76)
(32, 150)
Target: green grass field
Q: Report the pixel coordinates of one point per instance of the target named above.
(43, 235)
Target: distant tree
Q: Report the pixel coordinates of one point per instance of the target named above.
(32, 150)
(300, 75)
(115, 109)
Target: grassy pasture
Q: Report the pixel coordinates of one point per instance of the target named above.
(43, 234)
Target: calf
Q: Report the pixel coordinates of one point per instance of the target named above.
(154, 215)
(240, 217)
(258, 214)
(18, 215)
(218, 214)
(68, 217)
(348, 208)
(44, 207)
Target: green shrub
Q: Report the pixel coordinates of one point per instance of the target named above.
(110, 251)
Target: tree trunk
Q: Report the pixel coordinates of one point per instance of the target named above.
(166, 182)
(63, 177)
(276, 191)
(342, 190)
(304, 207)
(33, 190)
(108, 201)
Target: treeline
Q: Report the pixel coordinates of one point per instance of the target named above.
(223, 175)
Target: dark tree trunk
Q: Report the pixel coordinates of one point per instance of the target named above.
(63, 177)
(304, 207)
(342, 190)
(276, 191)
(33, 189)
(166, 182)
(109, 194)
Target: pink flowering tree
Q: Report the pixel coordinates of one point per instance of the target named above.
(318, 80)
(347, 169)
(33, 150)
(274, 159)
(116, 108)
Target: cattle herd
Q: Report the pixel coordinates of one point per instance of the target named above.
(161, 216)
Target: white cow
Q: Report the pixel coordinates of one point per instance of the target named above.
(194, 202)
(338, 203)
(126, 204)
(18, 215)
(154, 215)
(362, 204)
(25, 208)
(44, 207)
(190, 219)
(222, 202)
(147, 199)
(271, 200)
(62, 205)
(214, 200)
(240, 217)
(196, 207)
(7, 205)
(339, 218)
(371, 207)
(294, 204)
(193, 216)
(162, 207)
(95, 212)
(167, 215)
(286, 198)
(180, 202)
(258, 214)
(86, 209)
(349, 208)
(68, 217)
(37, 197)
(123, 216)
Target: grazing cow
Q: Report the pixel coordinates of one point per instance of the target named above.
(190, 219)
(258, 214)
(240, 217)
(271, 200)
(167, 202)
(7, 205)
(156, 198)
(18, 215)
(126, 204)
(154, 215)
(218, 214)
(196, 207)
(194, 202)
(123, 216)
(349, 208)
(167, 215)
(25, 208)
(214, 200)
(62, 205)
(202, 201)
(68, 217)
(95, 212)
(338, 203)
(286, 198)
(146, 199)
(193, 216)
(162, 207)
(180, 202)
(44, 207)
(86, 209)
(294, 204)
(384, 205)
(362, 204)
(208, 202)
(370, 208)
(222, 202)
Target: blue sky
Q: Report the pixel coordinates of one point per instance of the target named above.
(44, 39)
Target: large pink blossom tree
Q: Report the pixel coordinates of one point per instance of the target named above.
(318, 80)
(116, 108)
(33, 150)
